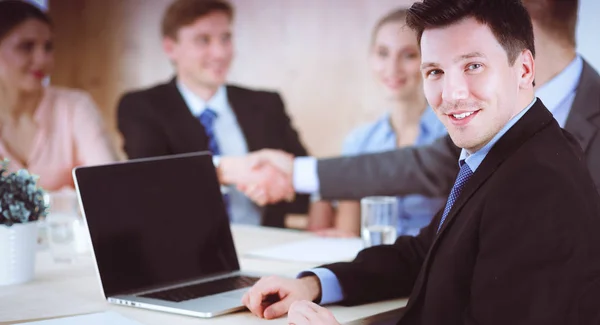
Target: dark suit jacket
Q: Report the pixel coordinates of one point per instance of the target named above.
(430, 170)
(519, 246)
(157, 122)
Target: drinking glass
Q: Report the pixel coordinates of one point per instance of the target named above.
(65, 229)
(379, 218)
(62, 234)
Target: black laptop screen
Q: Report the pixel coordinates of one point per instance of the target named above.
(156, 222)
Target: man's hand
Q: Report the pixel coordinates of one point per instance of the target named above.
(271, 297)
(271, 190)
(234, 170)
(276, 158)
(308, 313)
(265, 176)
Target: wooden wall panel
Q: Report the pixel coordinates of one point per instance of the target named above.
(313, 51)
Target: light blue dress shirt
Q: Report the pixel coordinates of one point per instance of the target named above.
(559, 92)
(231, 141)
(557, 95)
(415, 211)
(331, 290)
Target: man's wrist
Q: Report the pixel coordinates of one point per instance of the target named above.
(218, 163)
(226, 169)
(313, 284)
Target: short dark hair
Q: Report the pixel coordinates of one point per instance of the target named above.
(557, 17)
(508, 19)
(15, 12)
(185, 12)
(395, 16)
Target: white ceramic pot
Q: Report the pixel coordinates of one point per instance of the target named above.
(18, 244)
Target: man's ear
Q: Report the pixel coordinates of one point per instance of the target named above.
(170, 47)
(527, 69)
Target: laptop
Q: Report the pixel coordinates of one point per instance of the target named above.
(160, 235)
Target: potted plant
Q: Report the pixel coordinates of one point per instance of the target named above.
(21, 205)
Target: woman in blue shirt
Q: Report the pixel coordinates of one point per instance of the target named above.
(395, 61)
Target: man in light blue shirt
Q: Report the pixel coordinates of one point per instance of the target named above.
(198, 111)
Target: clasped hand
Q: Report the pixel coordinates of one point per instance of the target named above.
(265, 176)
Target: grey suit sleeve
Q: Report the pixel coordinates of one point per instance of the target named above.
(428, 170)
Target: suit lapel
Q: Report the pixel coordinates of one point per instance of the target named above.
(181, 120)
(250, 117)
(535, 119)
(586, 106)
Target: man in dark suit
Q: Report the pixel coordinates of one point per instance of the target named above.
(197, 111)
(517, 241)
(568, 85)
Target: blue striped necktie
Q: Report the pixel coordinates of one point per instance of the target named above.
(464, 175)
(207, 119)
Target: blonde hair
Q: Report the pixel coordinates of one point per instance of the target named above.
(398, 15)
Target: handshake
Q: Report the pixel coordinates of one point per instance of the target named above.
(265, 176)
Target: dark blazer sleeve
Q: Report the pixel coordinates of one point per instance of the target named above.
(142, 135)
(428, 170)
(384, 272)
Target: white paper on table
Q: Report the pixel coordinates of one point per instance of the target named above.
(107, 317)
(314, 250)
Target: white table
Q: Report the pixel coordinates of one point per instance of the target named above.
(60, 289)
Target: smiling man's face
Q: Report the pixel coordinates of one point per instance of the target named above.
(469, 82)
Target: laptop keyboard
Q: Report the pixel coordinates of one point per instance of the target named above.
(203, 289)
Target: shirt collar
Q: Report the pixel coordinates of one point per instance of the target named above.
(557, 89)
(385, 124)
(218, 102)
(475, 159)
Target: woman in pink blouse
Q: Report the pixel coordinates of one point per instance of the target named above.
(47, 130)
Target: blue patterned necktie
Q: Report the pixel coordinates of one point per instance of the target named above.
(464, 175)
(207, 119)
